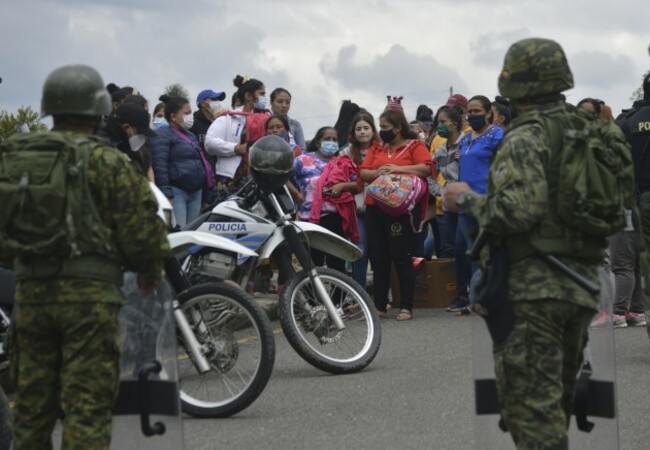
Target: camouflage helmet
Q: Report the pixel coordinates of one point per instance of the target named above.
(75, 89)
(534, 67)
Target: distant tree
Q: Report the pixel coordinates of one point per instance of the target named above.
(25, 119)
(177, 90)
(638, 93)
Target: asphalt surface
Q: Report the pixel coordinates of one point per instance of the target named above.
(417, 394)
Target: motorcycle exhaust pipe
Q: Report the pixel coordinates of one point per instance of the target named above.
(190, 340)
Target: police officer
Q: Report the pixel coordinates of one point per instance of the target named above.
(537, 363)
(636, 127)
(66, 322)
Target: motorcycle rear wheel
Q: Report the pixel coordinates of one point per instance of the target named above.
(236, 338)
(311, 332)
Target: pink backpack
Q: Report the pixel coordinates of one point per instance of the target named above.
(255, 124)
(397, 195)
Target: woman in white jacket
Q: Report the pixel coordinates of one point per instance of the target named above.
(226, 138)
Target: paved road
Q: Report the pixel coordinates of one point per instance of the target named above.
(417, 394)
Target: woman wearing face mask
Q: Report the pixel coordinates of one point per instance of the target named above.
(229, 136)
(476, 152)
(279, 126)
(307, 170)
(280, 104)
(363, 136)
(392, 240)
(450, 123)
(158, 117)
(177, 164)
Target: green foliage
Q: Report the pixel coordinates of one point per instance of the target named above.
(638, 93)
(177, 90)
(13, 123)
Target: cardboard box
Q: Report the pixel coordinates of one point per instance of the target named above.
(435, 284)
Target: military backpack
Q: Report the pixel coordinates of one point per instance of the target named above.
(48, 212)
(595, 173)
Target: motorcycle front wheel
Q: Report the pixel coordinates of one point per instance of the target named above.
(236, 338)
(312, 334)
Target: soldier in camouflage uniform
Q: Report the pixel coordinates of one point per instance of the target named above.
(66, 324)
(537, 364)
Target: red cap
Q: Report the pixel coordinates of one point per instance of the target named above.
(457, 100)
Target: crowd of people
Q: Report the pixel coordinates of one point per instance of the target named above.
(197, 158)
(478, 165)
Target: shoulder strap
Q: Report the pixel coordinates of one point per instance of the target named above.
(195, 145)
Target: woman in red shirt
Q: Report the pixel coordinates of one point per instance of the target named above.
(392, 240)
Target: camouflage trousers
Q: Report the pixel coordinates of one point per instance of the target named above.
(68, 358)
(536, 369)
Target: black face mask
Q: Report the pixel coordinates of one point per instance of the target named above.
(476, 121)
(387, 136)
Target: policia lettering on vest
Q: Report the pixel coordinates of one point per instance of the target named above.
(558, 186)
(74, 213)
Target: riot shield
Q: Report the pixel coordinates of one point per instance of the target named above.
(147, 412)
(594, 424)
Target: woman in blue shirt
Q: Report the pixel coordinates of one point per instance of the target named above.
(476, 152)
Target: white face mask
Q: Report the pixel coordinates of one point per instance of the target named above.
(217, 108)
(188, 121)
(136, 142)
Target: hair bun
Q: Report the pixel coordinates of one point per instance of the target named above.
(238, 81)
(164, 98)
(502, 100)
(112, 87)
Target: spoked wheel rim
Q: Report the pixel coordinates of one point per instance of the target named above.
(232, 345)
(318, 331)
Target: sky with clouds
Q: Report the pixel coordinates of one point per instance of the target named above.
(322, 51)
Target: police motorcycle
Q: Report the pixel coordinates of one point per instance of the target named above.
(212, 339)
(328, 319)
(225, 346)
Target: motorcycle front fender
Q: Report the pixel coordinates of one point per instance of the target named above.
(319, 238)
(183, 240)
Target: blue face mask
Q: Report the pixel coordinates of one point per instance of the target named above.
(159, 122)
(261, 103)
(329, 148)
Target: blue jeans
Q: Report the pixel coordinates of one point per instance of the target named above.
(447, 225)
(186, 206)
(466, 226)
(360, 266)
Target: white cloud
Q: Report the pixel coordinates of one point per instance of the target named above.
(322, 51)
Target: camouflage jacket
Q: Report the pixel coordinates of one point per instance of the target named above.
(515, 203)
(127, 206)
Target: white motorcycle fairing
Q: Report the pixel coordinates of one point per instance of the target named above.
(319, 238)
(183, 240)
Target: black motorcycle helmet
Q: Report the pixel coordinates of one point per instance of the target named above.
(271, 162)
